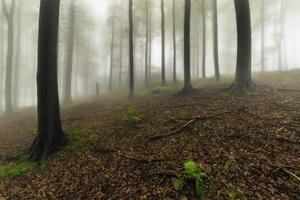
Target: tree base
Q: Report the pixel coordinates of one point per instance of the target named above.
(186, 90)
(41, 150)
(237, 88)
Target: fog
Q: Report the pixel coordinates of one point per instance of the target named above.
(93, 33)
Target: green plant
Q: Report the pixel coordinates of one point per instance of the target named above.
(234, 191)
(193, 174)
(133, 115)
(19, 168)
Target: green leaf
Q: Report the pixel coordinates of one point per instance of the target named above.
(178, 183)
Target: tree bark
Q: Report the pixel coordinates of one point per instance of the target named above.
(243, 78)
(187, 89)
(131, 56)
(50, 134)
(69, 67)
(163, 70)
(112, 52)
(203, 39)
(174, 42)
(216, 40)
(262, 13)
(121, 51)
(150, 42)
(17, 59)
(147, 44)
(9, 15)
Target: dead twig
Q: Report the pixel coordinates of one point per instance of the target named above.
(185, 125)
(291, 174)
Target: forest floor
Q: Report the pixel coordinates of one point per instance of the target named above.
(248, 145)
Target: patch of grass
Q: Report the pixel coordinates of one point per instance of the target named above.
(234, 191)
(133, 115)
(19, 168)
(193, 175)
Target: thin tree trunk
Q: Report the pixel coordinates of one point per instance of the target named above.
(112, 52)
(1, 63)
(147, 44)
(203, 39)
(50, 134)
(163, 70)
(121, 51)
(187, 49)
(131, 57)
(174, 42)
(150, 42)
(69, 68)
(216, 40)
(243, 78)
(9, 15)
(262, 13)
(17, 60)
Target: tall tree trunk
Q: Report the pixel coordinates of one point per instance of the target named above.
(17, 59)
(131, 57)
(121, 50)
(216, 40)
(187, 49)
(50, 134)
(174, 42)
(1, 62)
(262, 13)
(280, 36)
(9, 15)
(147, 44)
(150, 42)
(243, 78)
(112, 52)
(69, 68)
(163, 69)
(203, 39)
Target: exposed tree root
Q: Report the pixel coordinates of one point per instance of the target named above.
(236, 88)
(186, 90)
(185, 125)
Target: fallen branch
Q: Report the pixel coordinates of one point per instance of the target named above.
(291, 174)
(185, 125)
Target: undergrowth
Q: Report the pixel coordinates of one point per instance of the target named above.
(193, 175)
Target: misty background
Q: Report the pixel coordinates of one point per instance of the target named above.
(99, 22)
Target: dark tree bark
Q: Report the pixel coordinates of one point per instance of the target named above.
(70, 53)
(131, 57)
(216, 40)
(9, 15)
(187, 89)
(243, 77)
(163, 70)
(147, 44)
(262, 13)
(50, 134)
(203, 39)
(174, 43)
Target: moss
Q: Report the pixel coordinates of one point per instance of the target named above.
(18, 168)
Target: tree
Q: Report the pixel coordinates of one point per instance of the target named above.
(146, 44)
(262, 15)
(69, 68)
(131, 56)
(243, 78)
(121, 49)
(215, 39)
(112, 51)
(187, 89)
(203, 9)
(50, 134)
(174, 43)
(163, 70)
(9, 16)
